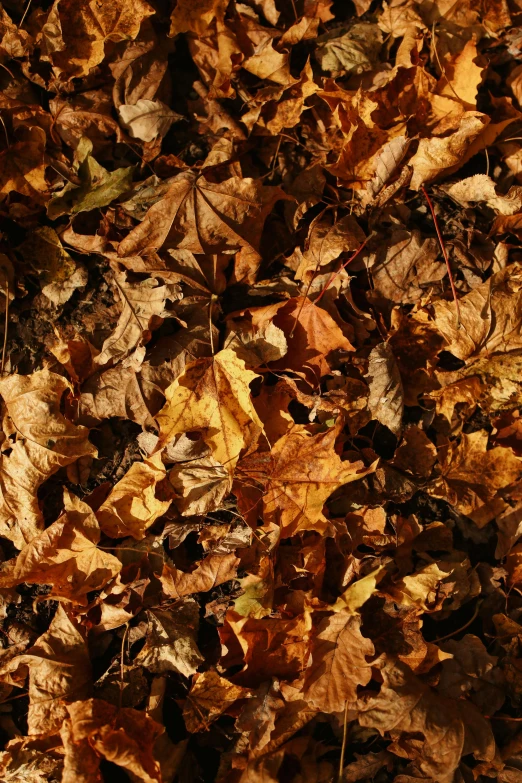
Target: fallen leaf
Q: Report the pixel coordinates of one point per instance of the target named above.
(45, 442)
(132, 506)
(65, 556)
(209, 696)
(472, 474)
(124, 737)
(212, 571)
(296, 479)
(339, 663)
(204, 217)
(171, 640)
(213, 396)
(386, 400)
(146, 120)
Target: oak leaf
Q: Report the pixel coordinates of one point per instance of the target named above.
(45, 442)
(213, 396)
(132, 505)
(65, 555)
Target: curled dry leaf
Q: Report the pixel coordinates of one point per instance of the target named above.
(45, 441)
(171, 640)
(132, 505)
(209, 696)
(212, 571)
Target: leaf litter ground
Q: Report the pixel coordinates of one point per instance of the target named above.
(261, 444)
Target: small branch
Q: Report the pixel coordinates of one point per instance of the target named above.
(334, 275)
(444, 253)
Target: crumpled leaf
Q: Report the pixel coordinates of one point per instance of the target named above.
(22, 166)
(436, 156)
(75, 33)
(171, 640)
(146, 120)
(200, 484)
(490, 315)
(356, 50)
(65, 556)
(212, 571)
(213, 397)
(45, 442)
(209, 696)
(132, 505)
(144, 304)
(98, 187)
(472, 474)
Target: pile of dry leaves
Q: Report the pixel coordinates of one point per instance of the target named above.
(261, 391)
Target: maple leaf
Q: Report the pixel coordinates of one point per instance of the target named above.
(65, 555)
(132, 506)
(386, 400)
(45, 442)
(212, 571)
(23, 167)
(297, 478)
(213, 396)
(472, 474)
(144, 304)
(209, 696)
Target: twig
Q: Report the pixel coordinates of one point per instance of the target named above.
(6, 324)
(444, 252)
(454, 633)
(334, 275)
(122, 664)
